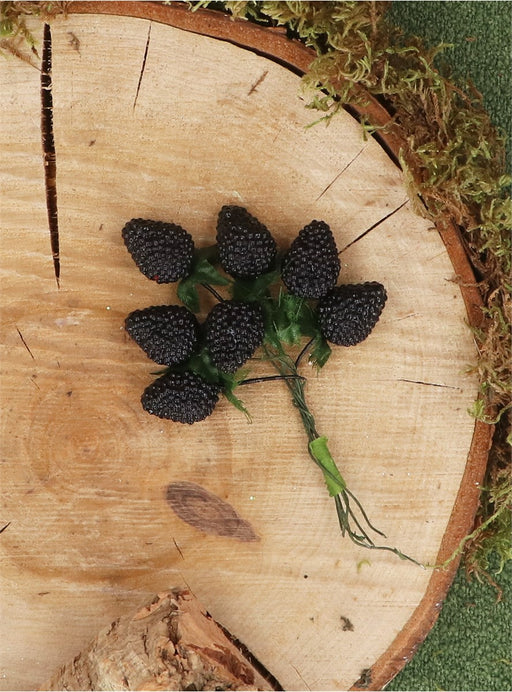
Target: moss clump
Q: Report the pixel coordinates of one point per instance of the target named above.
(15, 37)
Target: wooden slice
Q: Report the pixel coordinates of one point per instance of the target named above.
(161, 122)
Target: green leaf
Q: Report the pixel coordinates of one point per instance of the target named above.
(203, 272)
(321, 454)
(188, 294)
(202, 365)
(254, 289)
(287, 317)
(290, 333)
(237, 403)
(320, 352)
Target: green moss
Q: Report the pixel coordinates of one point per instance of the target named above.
(479, 37)
(15, 36)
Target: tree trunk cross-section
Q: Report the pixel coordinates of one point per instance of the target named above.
(104, 505)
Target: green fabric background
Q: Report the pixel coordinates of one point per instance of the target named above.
(470, 647)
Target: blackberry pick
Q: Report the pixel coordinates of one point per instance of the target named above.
(162, 251)
(246, 247)
(233, 330)
(168, 334)
(311, 266)
(183, 397)
(347, 314)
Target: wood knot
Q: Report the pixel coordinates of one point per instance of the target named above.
(207, 512)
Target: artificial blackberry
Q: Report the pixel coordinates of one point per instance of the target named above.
(311, 266)
(162, 251)
(167, 334)
(234, 330)
(183, 397)
(246, 247)
(347, 314)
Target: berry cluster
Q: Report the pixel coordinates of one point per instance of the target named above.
(201, 357)
(276, 301)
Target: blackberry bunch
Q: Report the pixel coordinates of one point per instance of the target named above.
(346, 314)
(202, 359)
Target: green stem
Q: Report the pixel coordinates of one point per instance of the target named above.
(269, 378)
(352, 517)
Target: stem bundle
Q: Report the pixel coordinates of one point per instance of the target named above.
(352, 517)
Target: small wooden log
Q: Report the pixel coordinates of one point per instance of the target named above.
(172, 643)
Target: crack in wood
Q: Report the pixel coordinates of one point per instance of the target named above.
(178, 549)
(406, 317)
(48, 143)
(338, 176)
(256, 84)
(373, 226)
(300, 676)
(428, 384)
(25, 343)
(31, 379)
(249, 656)
(4, 527)
(142, 67)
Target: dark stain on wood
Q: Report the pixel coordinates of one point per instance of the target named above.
(346, 624)
(207, 512)
(73, 41)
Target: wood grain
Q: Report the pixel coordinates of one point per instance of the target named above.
(158, 122)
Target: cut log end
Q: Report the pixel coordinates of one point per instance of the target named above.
(171, 643)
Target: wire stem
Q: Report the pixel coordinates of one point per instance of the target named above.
(213, 292)
(270, 378)
(303, 352)
(353, 519)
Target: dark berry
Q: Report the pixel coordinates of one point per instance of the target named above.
(234, 330)
(311, 266)
(347, 314)
(162, 251)
(183, 397)
(168, 334)
(246, 247)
